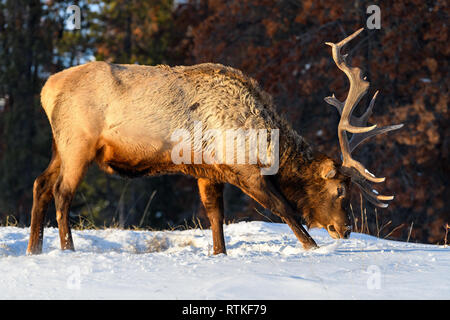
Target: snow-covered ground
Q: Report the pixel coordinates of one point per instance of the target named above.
(264, 261)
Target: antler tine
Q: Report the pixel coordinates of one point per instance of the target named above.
(375, 199)
(358, 138)
(335, 102)
(369, 193)
(358, 88)
(362, 121)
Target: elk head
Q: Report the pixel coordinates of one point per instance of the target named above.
(325, 201)
(329, 199)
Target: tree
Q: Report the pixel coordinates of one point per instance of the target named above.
(25, 50)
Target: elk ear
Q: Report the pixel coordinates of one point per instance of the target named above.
(327, 169)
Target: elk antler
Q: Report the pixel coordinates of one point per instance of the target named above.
(356, 125)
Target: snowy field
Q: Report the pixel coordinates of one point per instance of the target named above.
(264, 261)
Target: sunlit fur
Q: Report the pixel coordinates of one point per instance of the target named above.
(122, 118)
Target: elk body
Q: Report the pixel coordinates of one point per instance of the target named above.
(122, 117)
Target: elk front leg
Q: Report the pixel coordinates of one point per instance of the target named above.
(211, 194)
(265, 193)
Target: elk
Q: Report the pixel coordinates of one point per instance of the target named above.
(122, 117)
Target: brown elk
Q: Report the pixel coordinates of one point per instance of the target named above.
(122, 118)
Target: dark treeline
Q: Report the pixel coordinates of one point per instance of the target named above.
(281, 44)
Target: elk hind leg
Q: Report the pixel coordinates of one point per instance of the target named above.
(70, 176)
(42, 195)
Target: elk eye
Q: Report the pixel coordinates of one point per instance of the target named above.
(331, 228)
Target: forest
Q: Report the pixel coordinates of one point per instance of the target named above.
(279, 43)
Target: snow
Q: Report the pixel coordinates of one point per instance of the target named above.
(264, 261)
